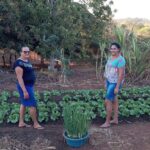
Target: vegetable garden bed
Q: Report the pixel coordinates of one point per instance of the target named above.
(133, 102)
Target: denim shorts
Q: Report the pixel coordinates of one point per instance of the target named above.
(110, 87)
(31, 102)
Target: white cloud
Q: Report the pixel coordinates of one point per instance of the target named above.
(131, 8)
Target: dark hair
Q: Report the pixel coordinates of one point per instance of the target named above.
(23, 47)
(116, 44)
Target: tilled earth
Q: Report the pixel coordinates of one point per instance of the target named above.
(125, 136)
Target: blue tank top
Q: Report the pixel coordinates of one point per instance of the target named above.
(28, 71)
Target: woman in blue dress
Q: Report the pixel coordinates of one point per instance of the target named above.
(25, 85)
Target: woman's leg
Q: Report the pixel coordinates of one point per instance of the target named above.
(21, 117)
(108, 103)
(33, 114)
(115, 109)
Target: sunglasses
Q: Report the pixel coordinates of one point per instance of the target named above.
(26, 52)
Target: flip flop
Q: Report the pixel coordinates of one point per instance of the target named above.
(25, 126)
(114, 123)
(39, 128)
(104, 126)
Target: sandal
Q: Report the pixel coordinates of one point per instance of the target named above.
(24, 126)
(39, 127)
(105, 125)
(113, 122)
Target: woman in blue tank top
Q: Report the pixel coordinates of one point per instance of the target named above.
(25, 82)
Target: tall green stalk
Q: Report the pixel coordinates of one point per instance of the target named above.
(76, 119)
(134, 56)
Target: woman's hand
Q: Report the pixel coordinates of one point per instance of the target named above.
(26, 95)
(116, 90)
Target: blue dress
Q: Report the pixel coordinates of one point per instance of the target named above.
(29, 80)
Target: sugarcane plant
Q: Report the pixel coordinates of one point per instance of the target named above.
(65, 68)
(136, 58)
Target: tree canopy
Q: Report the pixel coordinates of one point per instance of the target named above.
(47, 25)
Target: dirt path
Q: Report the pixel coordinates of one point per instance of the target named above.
(134, 136)
(82, 77)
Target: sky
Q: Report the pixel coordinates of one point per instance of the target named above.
(131, 9)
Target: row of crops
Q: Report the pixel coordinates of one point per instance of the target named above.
(132, 102)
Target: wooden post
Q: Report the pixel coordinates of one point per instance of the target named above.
(3, 58)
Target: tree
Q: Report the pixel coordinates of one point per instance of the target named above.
(47, 25)
(23, 22)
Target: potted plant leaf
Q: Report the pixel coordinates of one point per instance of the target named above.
(77, 119)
